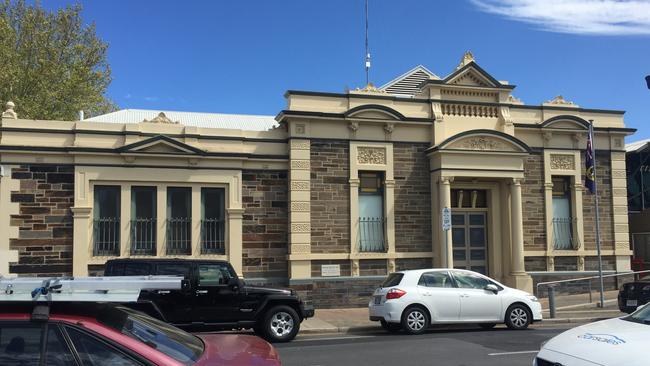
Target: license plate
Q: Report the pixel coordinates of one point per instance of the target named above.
(377, 300)
(631, 303)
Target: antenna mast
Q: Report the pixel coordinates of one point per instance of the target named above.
(367, 50)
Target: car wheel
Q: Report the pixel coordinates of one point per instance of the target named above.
(487, 325)
(415, 320)
(280, 324)
(518, 317)
(391, 327)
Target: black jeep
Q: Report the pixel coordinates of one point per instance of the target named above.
(214, 298)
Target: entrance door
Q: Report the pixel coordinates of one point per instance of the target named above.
(469, 240)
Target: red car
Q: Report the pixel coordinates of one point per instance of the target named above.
(94, 334)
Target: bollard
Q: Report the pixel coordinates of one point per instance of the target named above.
(551, 301)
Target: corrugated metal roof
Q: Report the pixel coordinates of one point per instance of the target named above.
(635, 146)
(208, 120)
(408, 83)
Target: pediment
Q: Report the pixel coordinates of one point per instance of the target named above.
(471, 74)
(485, 140)
(566, 122)
(374, 111)
(470, 78)
(160, 145)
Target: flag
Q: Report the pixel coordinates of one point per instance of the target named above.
(590, 183)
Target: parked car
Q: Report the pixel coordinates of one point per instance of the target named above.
(98, 334)
(413, 300)
(633, 294)
(619, 341)
(214, 298)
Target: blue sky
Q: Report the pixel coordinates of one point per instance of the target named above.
(241, 56)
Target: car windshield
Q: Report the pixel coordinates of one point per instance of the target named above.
(393, 279)
(173, 342)
(640, 316)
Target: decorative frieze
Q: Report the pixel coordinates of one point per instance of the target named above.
(371, 155)
(562, 162)
(300, 227)
(300, 206)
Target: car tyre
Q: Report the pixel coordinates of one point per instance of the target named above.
(415, 320)
(391, 327)
(487, 325)
(518, 317)
(280, 324)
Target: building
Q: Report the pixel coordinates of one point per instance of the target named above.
(327, 197)
(638, 200)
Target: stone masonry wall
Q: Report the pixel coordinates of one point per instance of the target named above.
(265, 224)
(412, 198)
(44, 242)
(532, 192)
(330, 196)
(604, 181)
(338, 293)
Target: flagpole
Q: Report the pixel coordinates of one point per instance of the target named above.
(596, 206)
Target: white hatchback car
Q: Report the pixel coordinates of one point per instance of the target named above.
(413, 300)
(620, 341)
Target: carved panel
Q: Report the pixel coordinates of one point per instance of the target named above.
(300, 144)
(299, 186)
(618, 174)
(482, 143)
(301, 227)
(300, 206)
(300, 164)
(371, 155)
(562, 162)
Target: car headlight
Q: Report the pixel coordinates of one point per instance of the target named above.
(532, 298)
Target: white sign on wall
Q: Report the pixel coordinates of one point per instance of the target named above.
(446, 219)
(330, 270)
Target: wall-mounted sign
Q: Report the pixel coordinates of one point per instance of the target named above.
(330, 270)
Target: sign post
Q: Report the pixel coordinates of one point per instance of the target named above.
(446, 225)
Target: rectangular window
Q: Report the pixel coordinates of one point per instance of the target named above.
(214, 274)
(179, 220)
(372, 224)
(106, 221)
(143, 220)
(213, 206)
(562, 217)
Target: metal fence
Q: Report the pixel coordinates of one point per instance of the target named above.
(212, 236)
(143, 236)
(563, 237)
(372, 234)
(106, 236)
(179, 235)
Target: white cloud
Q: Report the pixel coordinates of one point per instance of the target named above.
(593, 17)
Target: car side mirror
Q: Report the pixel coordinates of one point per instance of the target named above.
(492, 287)
(235, 283)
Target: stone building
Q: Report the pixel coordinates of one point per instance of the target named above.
(638, 200)
(330, 195)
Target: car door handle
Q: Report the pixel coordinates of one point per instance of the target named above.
(464, 295)
(199, 292)
(163, 292)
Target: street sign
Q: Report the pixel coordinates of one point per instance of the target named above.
(446, 219)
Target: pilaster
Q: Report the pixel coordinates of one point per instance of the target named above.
(299, 206)
(619, 207)
(82, 247)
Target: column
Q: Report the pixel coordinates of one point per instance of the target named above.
(445, 236)
(235, 240)
(299, 208)
(82, 241)
(516, 225)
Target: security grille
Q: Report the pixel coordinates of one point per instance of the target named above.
(179, 235)
(212, 236)
(106, 236)
(143, 236)
(371, 234)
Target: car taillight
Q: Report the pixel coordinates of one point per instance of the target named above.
(395, 293)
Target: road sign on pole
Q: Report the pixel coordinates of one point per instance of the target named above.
(446, 219)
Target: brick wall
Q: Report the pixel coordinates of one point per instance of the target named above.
(330, 196)
(44, 242)
(344, 266)
(402, 264)
(604, 181)
(566, 263)
(412, 198)
(265, 224)
(341, 293)
(535, 263)
(372, 267)
(532, 193)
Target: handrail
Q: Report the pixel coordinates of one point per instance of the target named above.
(587, 278)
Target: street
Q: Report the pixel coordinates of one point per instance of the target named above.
(457, 346)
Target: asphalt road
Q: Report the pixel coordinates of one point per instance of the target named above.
(440, 347)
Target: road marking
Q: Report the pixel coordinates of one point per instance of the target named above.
(511, 353)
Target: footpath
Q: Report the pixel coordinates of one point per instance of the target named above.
(569, 309)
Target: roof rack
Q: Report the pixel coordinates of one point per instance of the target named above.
(83, 289)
